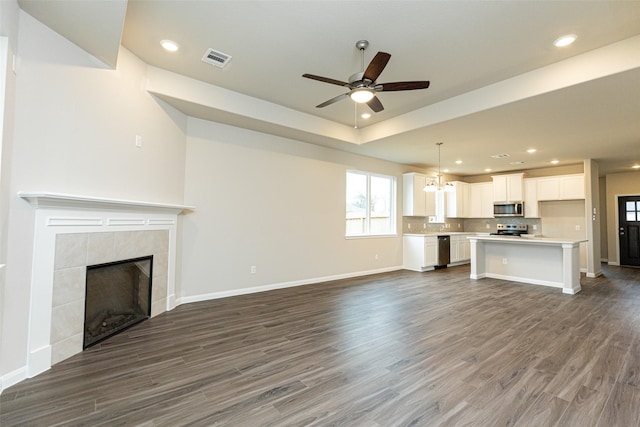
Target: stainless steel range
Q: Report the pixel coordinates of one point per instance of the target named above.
(511, 230)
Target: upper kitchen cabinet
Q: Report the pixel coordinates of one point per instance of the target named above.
(508, 188)
(531, 198)
(572, 187)
(458, 200)
(481, 200)
(561, 187)
(416, 201)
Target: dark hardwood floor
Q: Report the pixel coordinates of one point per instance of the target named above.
(396, 349)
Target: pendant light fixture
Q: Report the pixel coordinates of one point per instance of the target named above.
(438, 184)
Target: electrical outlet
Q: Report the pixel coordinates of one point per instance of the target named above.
(488, 226)
(577, 228)
(139, 141)
(409, 226)
(253, 269)
(376, 257)
(535, 226)
(424, 226)
(504, 261)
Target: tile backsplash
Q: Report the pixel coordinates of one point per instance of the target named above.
(419, 225)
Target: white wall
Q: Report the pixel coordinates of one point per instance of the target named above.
(9, 32)
(274, 203)
(75, 130)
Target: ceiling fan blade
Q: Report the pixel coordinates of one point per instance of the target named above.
(395, 86)
(326, 80)
(376, 66)
(375, 104)
(332, 100)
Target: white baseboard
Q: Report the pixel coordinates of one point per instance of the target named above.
(39, 361)
(525, 280)
(12, 378)
(594, 275)
(264, 288)
(613, 263)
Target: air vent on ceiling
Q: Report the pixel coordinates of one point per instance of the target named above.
(500, 156)
(215, 57)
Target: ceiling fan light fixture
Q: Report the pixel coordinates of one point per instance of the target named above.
(361, 96)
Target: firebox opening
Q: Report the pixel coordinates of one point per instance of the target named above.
(118, 295)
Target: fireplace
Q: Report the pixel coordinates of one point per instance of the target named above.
(118, 295)
(72, 232)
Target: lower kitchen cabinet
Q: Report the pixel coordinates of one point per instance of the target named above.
(419, 252)
(460, 249)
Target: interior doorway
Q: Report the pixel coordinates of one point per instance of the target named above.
(629, 230)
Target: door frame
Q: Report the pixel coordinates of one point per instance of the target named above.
(617, 224)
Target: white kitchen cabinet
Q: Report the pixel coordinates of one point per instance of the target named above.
(508, 188)
(481, 200)
(419, 252)
(572, 187)
(531, 198)
(416, 201)
(460, 249)
(561, 187)
(430, 251)
(458, 200)
(548, 188)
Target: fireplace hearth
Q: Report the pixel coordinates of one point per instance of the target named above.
(118, 296)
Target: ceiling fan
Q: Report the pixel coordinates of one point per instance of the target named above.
(363, 87)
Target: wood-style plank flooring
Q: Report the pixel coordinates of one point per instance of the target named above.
(395, 349)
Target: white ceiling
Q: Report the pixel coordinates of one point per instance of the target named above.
(497, 83)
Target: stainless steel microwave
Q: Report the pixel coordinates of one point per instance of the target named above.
(508, 209)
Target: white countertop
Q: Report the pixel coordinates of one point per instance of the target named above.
(528, 240)
(444, 233)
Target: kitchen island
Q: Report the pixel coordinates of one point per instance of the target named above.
(539, 260)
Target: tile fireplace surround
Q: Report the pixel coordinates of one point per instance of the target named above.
(73, 232)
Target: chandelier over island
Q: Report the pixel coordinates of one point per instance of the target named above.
(438, 184)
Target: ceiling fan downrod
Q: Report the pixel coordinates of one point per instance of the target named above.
(362, 45)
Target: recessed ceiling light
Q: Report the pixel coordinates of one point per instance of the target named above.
(531, 150)
(555, 162)
(458, 162)
(635, 167)
(365, 115)
(445, 170)
(487, 170)
(565, 40)
(520, 162)
(170, 45)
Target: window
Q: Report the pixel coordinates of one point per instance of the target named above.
(439, 217)
(633, 211)
(370, 204)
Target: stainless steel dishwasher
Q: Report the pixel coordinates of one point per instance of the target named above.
(444, 249)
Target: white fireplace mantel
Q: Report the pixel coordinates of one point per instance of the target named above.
(44, 199)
